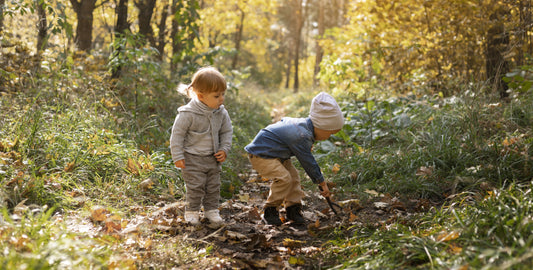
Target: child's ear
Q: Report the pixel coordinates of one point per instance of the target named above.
(199, 95)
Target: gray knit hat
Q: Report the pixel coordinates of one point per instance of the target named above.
(325, 113)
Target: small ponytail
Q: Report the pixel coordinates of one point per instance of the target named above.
(185, 89)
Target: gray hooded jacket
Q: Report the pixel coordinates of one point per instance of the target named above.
(200, 130)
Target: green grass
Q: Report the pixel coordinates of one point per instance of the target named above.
(71, 141)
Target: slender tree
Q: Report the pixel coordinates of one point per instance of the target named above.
(497, 46)
(41, 25)
(318, 49)
(84, 31)
(2, 5)
(184, 29)
(121, 26)
(238, 36)
(162, 25)
(299, 7)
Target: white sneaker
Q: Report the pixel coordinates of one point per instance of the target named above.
(192, 217)
(213, 216)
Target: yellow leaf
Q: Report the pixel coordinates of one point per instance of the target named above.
(455, 249)
(336, 168)
(296, 261)
(69, 167)
(133, 166)
(291, 243)
(244, 197)
(447, 236)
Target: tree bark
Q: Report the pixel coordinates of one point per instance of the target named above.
(84, 31)
(176, 43)
(319, 52)
(289, 67)
(120, 29)
(41, 26)
(300, 17)
(162, 32)
(238, 38)
(497, 45)
(146, 11)
(2, 4)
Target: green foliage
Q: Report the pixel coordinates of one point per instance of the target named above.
(38, 241)
(490, 232)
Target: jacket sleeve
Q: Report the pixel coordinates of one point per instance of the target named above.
(308, 161)
(177, 137)
(226, 133)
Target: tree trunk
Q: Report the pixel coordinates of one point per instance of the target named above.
(288, 70)
(300, 17)
(41, 27)
(2, 5)
(497, 45)
(162, 31)
(84, 31)
(176, 43)
(238, 38)
(146, 11)
(120, 29)
(319, 52)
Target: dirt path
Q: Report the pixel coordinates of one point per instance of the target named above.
(246, 242)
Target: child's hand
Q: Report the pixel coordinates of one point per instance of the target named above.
(220, 156)
(180, 163)
(324, 190)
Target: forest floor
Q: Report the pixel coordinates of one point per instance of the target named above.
(245, 241)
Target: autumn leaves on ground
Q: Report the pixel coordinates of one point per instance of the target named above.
(245, 241)
(422, 182)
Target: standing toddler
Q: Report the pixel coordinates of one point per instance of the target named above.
(200, 142)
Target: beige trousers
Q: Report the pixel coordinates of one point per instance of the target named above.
(285, 186)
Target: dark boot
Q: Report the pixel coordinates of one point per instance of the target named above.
(294, 214)
(272, 216)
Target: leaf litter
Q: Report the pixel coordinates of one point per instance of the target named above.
(244, 241)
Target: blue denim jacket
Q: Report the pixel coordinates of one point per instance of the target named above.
(286, 138)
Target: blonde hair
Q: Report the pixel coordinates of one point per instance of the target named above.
(205, 80)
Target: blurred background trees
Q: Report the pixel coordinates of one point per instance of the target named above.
(363, 47)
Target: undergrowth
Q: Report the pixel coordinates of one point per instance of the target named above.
(72, 141)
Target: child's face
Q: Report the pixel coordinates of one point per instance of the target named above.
(321, 134)
(212, 100)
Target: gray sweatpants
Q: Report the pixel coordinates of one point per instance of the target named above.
(202, 182)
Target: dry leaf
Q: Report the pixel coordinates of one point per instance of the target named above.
(296, 261)
(455, 249)
(372, 192)
(448, 236)
(235, 235)
(133, 166)
(290, 243)
(146, 184)
(254, 214)
(99, 214)
(353, 217)
(70, 166)
(113, 224)
(336, 168)
(424, 171)
(244, 197)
